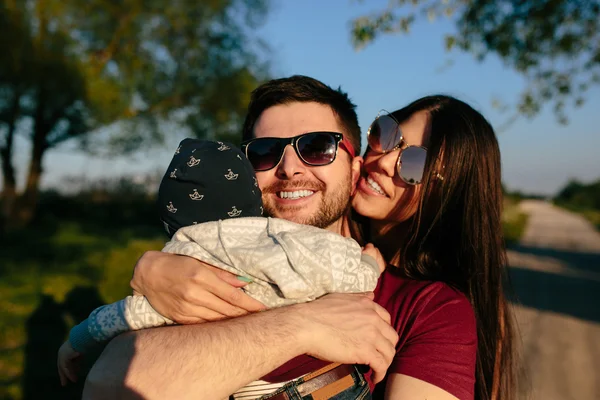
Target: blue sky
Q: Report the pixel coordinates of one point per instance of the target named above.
(313, 38)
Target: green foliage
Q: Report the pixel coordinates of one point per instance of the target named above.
(136, 60)
(554, 44)
(514, 227)
(513, 220)
(71, 67)
(80, 252)
(577, 194)
(581, 198)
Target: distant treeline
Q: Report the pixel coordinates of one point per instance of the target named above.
(574, 195)
(517, 195)
(129, 202)
(580, 195)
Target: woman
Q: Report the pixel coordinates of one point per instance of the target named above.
(430, 199)
(443, 225)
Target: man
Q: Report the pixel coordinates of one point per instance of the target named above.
(213, 360)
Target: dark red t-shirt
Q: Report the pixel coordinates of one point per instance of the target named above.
(438, 336)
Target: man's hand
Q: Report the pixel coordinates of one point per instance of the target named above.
(189, 291)
(350, 329)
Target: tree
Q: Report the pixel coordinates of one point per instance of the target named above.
(554, 44)
(69, 67)
(580, 195)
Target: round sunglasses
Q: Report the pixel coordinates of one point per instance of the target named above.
(384, 135)
(314, 149)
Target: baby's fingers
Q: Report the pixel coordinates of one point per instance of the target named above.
(71, 374)
(63, 379)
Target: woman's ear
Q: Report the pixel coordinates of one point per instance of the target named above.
(356, 166)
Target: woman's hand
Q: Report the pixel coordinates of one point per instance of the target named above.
(350, 329)
(189, 291)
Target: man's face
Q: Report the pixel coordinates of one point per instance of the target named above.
(292, 190)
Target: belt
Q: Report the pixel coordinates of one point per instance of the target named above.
(324, 383)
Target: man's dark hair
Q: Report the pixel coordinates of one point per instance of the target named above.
(299, 88)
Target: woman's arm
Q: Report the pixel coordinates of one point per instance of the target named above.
(213, 360)
(406, 387)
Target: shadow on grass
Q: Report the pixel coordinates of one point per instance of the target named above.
(46, 330)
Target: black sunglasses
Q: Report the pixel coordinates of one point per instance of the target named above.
(313, 148)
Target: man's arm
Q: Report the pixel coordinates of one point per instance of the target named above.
(195, 361)
(213, 360)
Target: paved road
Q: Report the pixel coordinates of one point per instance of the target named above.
(555, 272)
(556, 228)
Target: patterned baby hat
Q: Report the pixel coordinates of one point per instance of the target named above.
(207, 181)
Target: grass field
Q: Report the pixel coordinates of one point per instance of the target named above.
(53, 275)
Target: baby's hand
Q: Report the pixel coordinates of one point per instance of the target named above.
(372, 251)
(68, 363)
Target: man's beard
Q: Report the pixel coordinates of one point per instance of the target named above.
(334, 203)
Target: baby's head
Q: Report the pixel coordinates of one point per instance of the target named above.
(207, 181)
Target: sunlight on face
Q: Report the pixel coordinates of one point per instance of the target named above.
(381, 194)
(292, 190)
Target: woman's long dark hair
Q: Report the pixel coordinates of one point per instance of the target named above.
(456, 234)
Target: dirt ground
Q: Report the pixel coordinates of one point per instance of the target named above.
(555, 273)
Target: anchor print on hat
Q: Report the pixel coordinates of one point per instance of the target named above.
(231, 176)
(195, 195)
(223, 146)
(193, 161)
(171, 207)
(234, 212)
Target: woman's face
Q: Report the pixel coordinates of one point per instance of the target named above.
(381, 194)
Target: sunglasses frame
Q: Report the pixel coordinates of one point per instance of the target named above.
(402, 146)
(340, 142)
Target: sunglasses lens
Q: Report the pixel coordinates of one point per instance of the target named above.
(317, 148)
(384, 134)
(264, 154)
(411, 164)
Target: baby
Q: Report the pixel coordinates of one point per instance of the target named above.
(210, 206)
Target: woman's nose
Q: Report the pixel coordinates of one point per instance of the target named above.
(387, 163)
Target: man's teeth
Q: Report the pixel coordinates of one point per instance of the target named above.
(295, 195)
(375, 186)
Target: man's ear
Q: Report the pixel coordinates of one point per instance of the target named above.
(356, 166)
